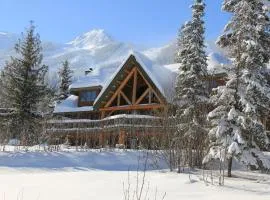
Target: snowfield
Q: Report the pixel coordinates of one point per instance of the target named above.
(100, 175)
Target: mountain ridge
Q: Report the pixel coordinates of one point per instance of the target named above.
(95, 49)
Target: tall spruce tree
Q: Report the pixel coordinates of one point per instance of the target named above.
(181, 41)
(23, 86)
(191, 93)
(65, 76)
(242, 104)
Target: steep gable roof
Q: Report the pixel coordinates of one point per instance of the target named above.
(156, 76)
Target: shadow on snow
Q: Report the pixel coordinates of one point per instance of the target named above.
(116, 160)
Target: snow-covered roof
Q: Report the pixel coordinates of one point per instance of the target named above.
(70, 104)
(98, 77)
(87, 81)
(155, 72)
(161, 76)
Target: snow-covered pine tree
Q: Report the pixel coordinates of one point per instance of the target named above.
(191, 93)
(244, 101)
(180, 43)
(2, 100)
(23, 86)
(65, 76)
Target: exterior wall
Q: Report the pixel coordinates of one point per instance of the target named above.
(124, 132)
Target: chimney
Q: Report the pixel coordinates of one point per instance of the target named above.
(88, 71)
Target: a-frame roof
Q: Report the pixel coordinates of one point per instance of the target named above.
(146, 68)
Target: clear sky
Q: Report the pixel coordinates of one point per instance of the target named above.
(149, 22)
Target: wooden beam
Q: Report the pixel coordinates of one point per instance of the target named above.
(102, 114)
(134, 90)
(120, 87)
(142, 96)
(150, 96)
(125, 97)
(149, 85)
(110, 113)
(134, 107)
(118, 99)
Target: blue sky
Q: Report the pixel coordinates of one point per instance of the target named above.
(148, 22)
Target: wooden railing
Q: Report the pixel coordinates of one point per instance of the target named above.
(107, 124)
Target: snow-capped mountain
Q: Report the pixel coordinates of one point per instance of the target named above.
(95, 49)
(90, 49)
(94, 39)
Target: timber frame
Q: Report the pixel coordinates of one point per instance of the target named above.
(131, 90)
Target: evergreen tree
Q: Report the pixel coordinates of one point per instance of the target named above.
(191, 93)
(244, 101)
(2, 99)
(65, 75)
(23, 86)
(180, 43)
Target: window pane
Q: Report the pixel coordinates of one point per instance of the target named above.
(88, 96)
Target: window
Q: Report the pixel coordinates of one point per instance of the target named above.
(88, 96)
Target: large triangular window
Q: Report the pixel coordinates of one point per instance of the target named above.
(134, 90)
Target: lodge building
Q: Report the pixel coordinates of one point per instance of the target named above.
(120, 106)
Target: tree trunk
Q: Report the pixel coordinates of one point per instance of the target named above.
(178, 161)
(171, 159)
(230, 167)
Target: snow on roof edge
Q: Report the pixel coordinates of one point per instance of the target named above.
(70, 105)
(120, 116)
(149, 73)
(139, 59)
(107, 83)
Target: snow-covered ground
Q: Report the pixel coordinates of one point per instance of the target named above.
(100, 175)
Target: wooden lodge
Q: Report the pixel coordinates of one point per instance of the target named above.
(122, 106)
